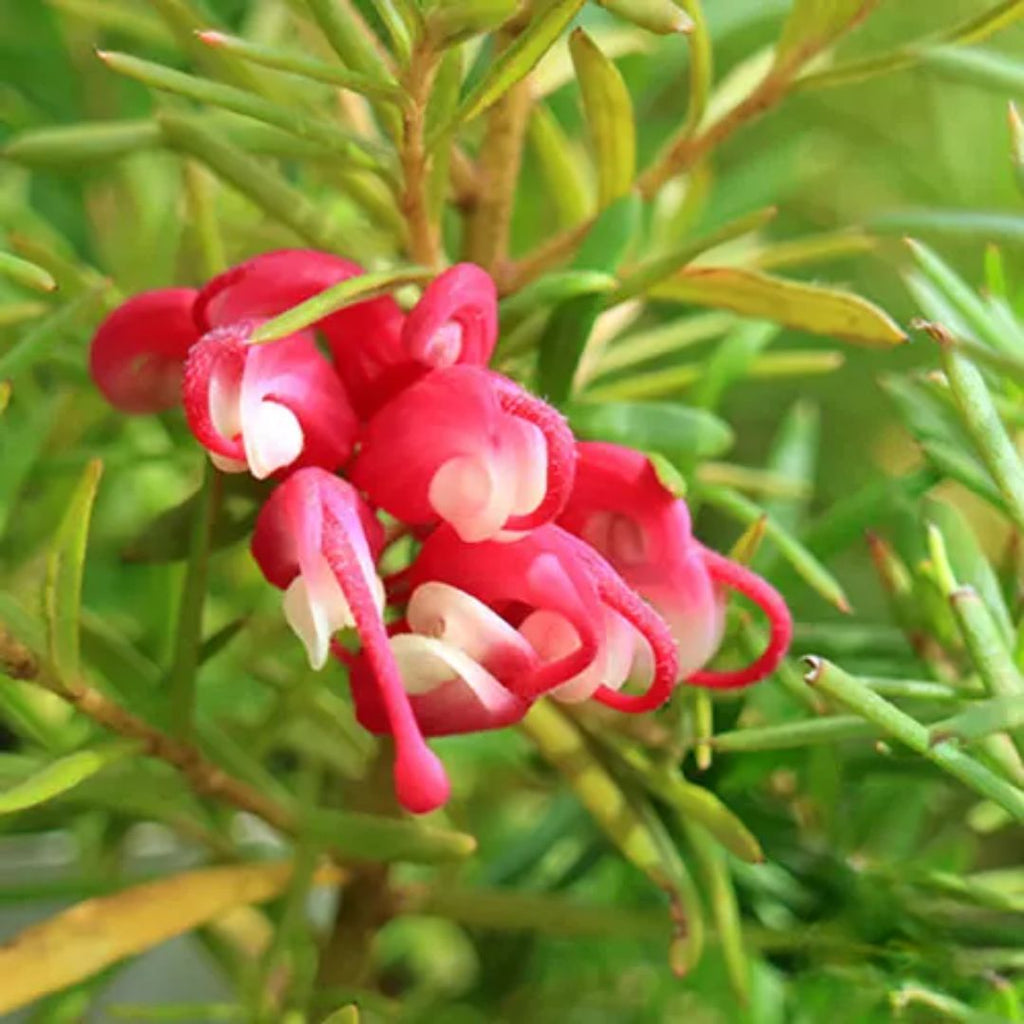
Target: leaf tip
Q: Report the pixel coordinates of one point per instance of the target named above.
(210, 37)
(813, 668)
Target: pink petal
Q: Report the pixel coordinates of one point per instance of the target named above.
(458, 446)
(364, 338)
(463, 697)
(137, 353)
(455, 321)
(267, 406)
(313, 518)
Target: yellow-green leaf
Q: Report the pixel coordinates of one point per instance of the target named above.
(25, 273)
(661, 16)
(806, 307)
(450, 21)
(58, 777)
(64, 570)
(90, 936)
(609, 113)
(551, 19)
(813, 25)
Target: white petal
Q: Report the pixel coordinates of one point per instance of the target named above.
(461, 621)
(553, 636)
(227, 465)
(426, 664)
(273, 438)
(225, 403)
(315, 608)
(525, 458)
(473, 495)
(444, 346)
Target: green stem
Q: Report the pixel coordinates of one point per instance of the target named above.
(862, 701)
(181, 679)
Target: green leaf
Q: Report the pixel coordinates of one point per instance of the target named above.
(691, 802)
(674, 379)
(181, 679)
(806, 307)
(981, 225)
(167, 537)
(299, 64)
(65, 567)
(146, 28)
(1017, 140)
(966, 304)
(59, 776)
(349, 37)
(984, 68)
(665, 340)
(675, 430)
(543, 30)
(27, 274)
(982, 421)
(267, 189)
(567, 186)
(35, 344)
(664, 17)
(648, 275)
(862, 701)
(608, 110)
(339, 296)
(813, 25)
(635, 832)
(565, 339)
(974, 29)
(186, 24)
(731, 361)
(555, 288)
(344, 1015)
(227, 97)
(1001, 714)
(451, 21)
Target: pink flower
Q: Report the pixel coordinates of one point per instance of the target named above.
(579, 617)
(621, 508)
(469, 447)
(137, 353)
(455, 321)
(267, 407)
(365, 338)
(317, 540)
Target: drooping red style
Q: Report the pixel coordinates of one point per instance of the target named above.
(317, 540)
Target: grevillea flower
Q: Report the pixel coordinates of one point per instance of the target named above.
(621, 508)
(266, 407)
(317, 540)
(455, 321)
(137, 353)
(582, 621)
(365, 338)
(469, 447)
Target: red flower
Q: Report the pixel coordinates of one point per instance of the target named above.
(317, 540)
(268, 407)
(137, 352)
(621, 508)
(469, 447)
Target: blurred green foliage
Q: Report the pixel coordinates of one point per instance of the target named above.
(888, 888)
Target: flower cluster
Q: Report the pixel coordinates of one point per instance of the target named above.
(542, 565)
